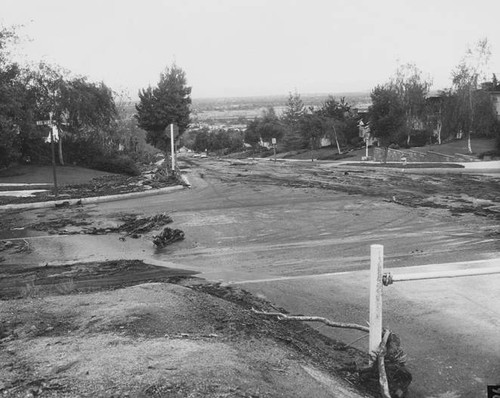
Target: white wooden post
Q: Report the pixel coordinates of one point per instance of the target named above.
(172, 146)
(376, 272)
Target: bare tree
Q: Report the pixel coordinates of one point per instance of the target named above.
(466, 79)
(412, 89)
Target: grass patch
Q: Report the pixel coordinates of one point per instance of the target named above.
(11, 172)
(120, 165)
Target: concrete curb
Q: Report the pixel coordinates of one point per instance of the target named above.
(97, 199)
(186, 181)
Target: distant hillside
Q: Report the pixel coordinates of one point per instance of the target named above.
(244, 109)
(225, 103)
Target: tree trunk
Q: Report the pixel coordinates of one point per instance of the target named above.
(439, 127)
(338, 145)
(337, 140)
(469, 147)
(409, 126)
(61, 159)
(312, 160)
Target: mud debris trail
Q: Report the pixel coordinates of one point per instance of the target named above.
(134, 226)
(131, 225)
(17, 246)
(459, 193)
(16, 282)
(76, 221)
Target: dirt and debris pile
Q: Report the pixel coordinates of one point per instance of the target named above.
(16, 246)
(163, 339)
(131, 225)
(138, 225)
(60, 225)
(168, 236)
(134, 226)
(398, 376)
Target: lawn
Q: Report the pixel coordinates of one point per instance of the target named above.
(479, 146)
(66, 175)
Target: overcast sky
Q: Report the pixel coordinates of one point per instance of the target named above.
(254, 47)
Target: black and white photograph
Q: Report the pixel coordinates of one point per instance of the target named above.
(250, 199)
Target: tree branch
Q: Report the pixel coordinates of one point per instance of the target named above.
(284, 317)
(382, 378)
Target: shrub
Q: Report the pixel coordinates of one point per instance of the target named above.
(357, 142)
(119, 164)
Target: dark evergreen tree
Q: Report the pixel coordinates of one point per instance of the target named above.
(291, 118)
(169, 102)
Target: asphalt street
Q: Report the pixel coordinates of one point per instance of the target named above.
(307, 250)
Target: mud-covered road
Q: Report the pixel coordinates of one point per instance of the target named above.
(299, 234)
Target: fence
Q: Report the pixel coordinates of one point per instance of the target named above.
(378, 280)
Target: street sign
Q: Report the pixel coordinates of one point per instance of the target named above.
(44, 122)
(273, 141)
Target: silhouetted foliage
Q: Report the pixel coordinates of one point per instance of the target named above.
(387, 115)
(168, 102)
(264, 128)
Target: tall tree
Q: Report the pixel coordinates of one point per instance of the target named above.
(412, 89)
(387, 114)
(291, 117)
(252, 135)
(338, 110)
(265, 128)
(466, 78)
(312, 127)
(169, 102)
(338, 121)
(81, 109)
(12, 92)
(270, 125)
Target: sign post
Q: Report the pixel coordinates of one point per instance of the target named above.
(52, 148)
(174, 132)
(273, 140)
(172, 148)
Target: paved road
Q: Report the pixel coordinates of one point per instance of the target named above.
(307, 250)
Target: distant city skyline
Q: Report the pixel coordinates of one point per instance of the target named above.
(242, 48)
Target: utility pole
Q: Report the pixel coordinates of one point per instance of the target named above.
(52, 148)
